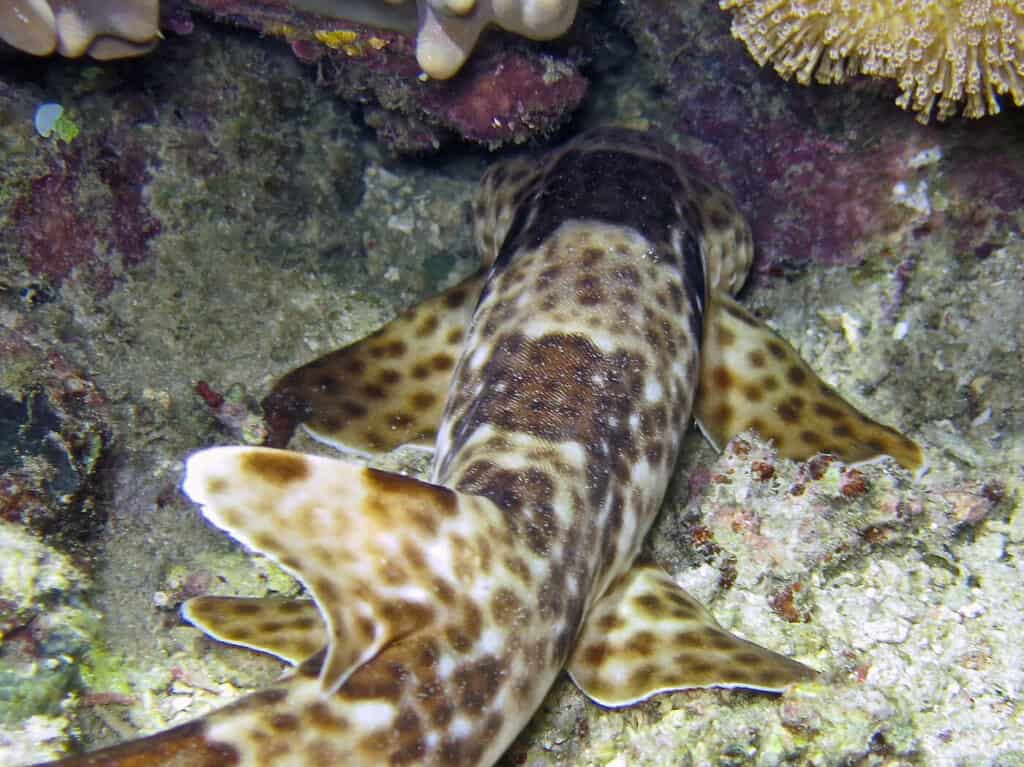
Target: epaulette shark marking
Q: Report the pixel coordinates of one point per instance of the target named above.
(556, 385)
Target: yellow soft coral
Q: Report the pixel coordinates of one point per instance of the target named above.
(943, 53)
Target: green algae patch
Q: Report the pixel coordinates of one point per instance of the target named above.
(105, 671)
(30, 692)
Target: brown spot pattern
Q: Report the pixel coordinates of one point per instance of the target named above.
(276, 467)
(339, 395)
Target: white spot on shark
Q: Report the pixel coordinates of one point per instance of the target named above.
(372, 715)
(653, 390)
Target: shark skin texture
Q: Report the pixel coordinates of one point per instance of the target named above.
(556, 385)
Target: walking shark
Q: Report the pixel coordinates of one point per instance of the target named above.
(556, 385)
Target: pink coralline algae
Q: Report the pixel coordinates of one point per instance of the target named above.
(86, 214)
(506, 96)
(814, 197)
(987, 193)
(825, 181)
(55, 236)
(125, 174)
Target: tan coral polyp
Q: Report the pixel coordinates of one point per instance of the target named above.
(104, 29)
(449, 29)
(28, 25)
(109, 48)
(81, 22)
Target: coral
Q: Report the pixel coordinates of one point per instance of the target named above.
(507, 93)
(447, 31)
(502, 96)
(941, 53)
(103, 29)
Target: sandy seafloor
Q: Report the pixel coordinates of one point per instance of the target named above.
(285, 232)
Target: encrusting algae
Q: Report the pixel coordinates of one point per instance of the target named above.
(942, 53)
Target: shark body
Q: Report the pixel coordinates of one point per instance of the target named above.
(557, 384)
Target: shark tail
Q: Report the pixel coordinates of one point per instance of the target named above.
(182, 746)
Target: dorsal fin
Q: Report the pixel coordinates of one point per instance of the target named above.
(389, 388)
(751, 378)
(646, 635)
(291, 629)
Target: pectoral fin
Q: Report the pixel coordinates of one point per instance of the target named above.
(752, 379)
(646, 635)
(346, 531)
(291, 629)
(389, 388)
